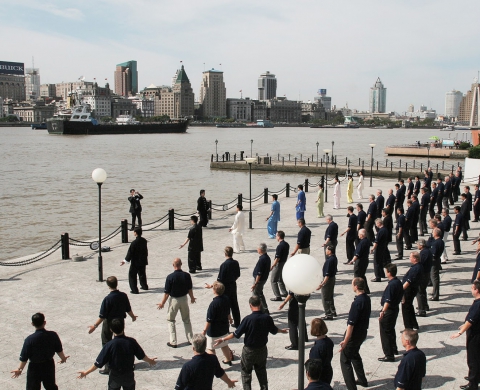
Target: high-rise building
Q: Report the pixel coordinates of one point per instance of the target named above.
(469, 111)
(213, 94)
(12, 80)
(323, 99)
(99, 98)
(126, 78)
(452, 103)
(240, 109)
(267, 86)
(378, 97)
(32, 83)
(48, 90)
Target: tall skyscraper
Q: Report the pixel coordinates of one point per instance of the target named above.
(184, 97)
(32, 83)
(469, 112)
(267, 86)
(126, 78)
(378, 97)
(452, 103)
(213, 94)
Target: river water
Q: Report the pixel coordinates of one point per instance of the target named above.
(47, 187)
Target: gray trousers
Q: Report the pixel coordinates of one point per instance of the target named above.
(435, 278)
(258, 292)
(254, 359)
(174, 306)
(278, 286)
(327, 297)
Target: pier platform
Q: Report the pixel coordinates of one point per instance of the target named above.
(69, 295)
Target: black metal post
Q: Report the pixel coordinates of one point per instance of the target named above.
(250, 212)
(171, 220)
(124, 225)
(306, 185)
(265, 195)
(332, 150)
(100, 260)
(295, 161)
(239, 201)
(283, 160)
(216, 143)
(317, 153)
(287, 190)
(209, 212)
(65, 246)
(251, 148)
(302, 300)
(399, 175)
(308, 162)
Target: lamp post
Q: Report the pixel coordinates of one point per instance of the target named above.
(216, 150)
(251, 148)
(371, 164)
(428, 151)
(333, 156)
(99, 176)
(317, 152)
(302, 274)
(326, 151)
(250, 161)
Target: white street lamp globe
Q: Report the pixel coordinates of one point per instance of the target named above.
(250, 160)
(99, 175)
(327, 151)
(302, 274)
(372, 145)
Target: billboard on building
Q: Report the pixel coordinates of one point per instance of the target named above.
(322, 92)
(16, 68)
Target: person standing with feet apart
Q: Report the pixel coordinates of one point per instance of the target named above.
(355, 335)
(202, 208)
(137, 256)
(135, 207)
(274, 217)
(328, 284)
(260, 275)
(281, 256)
(195, 245)
(410, 281)
(178, 287)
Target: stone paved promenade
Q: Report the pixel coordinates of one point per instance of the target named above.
(68, 294)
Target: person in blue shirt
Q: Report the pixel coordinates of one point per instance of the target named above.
(322, 349)
(40, 348)
(120, 354)
(274, 217)
(198, 373)
(413, 366)
(301, 205)
(472, 327)
(313, 371)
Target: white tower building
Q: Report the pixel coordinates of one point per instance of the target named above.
(452, 103)
(378, 97)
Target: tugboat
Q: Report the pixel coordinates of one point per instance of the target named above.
(81, 122)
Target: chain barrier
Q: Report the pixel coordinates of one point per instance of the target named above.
(154, 222)
(152, 229)
(32, 260)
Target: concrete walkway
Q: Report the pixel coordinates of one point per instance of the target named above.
(68, 294)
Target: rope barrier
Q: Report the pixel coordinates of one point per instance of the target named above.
(34, 259)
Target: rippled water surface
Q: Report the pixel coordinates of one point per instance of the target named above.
(47, 187)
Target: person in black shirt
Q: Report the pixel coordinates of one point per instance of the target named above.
(293, 320)
(256, 327)
(198, 373)
(446, 227)
(195, 245)
(465, 211)
(135, 207)
(400, 227)
(424, 202)
(399, 196)
(351, 232)
(413, 367)
(355, 335)
(476, 270)
(472, 328)
(313, 371)
(390, 202)
(417, 185)
(114, 305)
(281, 256)
(202, 208)
(391, 298)
(433, 199)
(457, 229)
(447, 192)
(39, 348)
(178, 286)
(441, 192)
(369, 222)
(120, 354)
(137, 256)
(331, 233)
(361, 217)
(228, 274)
(437, 247)
(260, 275)
(381, 254)
(409, 216)
(426, 260)
(410, 287)
(416, 217)
(388, 223)
(360, 259)
(476, 204)
(322, 349)
(410, 187)
(380, 201)
(328, 284)
(303, 239)
(218, 320)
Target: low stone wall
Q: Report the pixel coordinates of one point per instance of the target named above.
(423, 152)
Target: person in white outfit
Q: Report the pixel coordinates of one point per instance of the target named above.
(337, 193)
(360, 186)
(237, 229)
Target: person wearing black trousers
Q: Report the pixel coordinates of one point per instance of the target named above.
(410, 287)
(409, 218)
(329, 272)
(137, 256)
(388, 223)
(426, 260)
(400, 227)
(202, 208)
(433, 200)
(370, 221)
(391, 298)
(416, 218)
(360, 259)
(195, 245)
(351, 233)
(135, 207)
(457, 230)
(465, 211)
(441, 194)
(381, 254)
(293, 319)
(424, 202)
(476, 204)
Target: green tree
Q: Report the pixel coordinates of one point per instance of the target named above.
(474, 152)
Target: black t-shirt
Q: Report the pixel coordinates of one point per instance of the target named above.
(411, 370)
(473, 317)
(40, 346)
(217, 316)
(330, 266)
(332, 232)
(352, 224)
(256, 327)
(413, 276)
(282, 251)
(178, 283)
(229, 271)
(393, 293)
(303, 238)
(115, 305)
(359, 314)
(120, 354)
(362, 216)
(262, 267)
(198, 373)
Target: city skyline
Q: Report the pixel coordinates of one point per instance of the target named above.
(419, 55)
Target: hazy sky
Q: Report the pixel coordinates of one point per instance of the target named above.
(419, 49)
